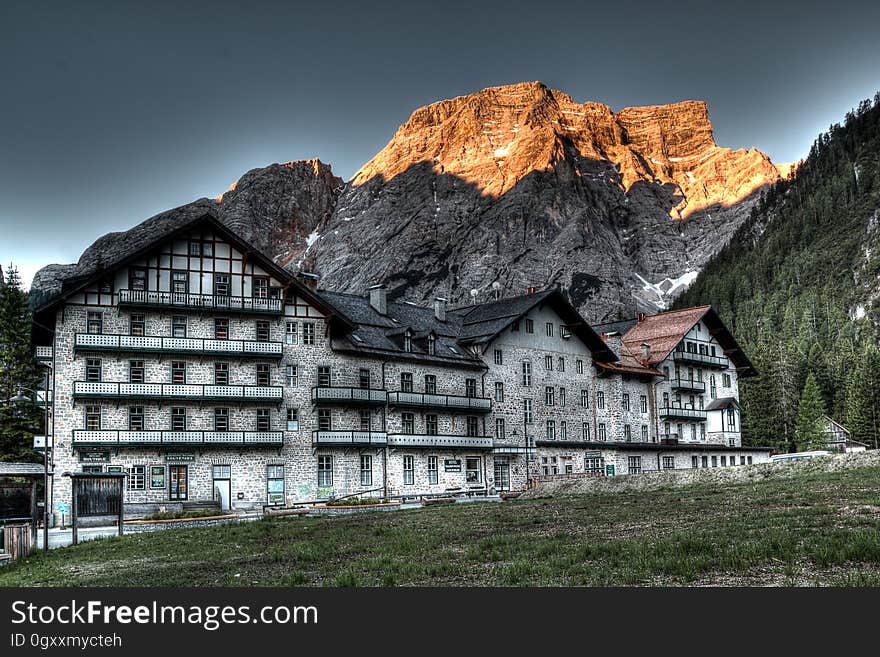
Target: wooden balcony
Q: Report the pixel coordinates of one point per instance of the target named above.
(450, 403)
(162, 392)
(687, 384)
(101, 342)
(120, 438)
(699, 359)
(346, 396)
(160, 300)
(677, 413)
(343, 438)
(424, 441)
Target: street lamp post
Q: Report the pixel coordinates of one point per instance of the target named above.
(20, 398)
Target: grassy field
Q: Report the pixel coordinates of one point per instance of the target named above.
(820, 528)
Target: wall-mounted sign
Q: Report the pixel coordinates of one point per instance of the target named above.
(157, 476)
(178, 458)
(452, 465)
(94, 457)
(609, 470)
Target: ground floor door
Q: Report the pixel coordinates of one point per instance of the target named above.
(178, 483)
(222, 475)
(502, 474)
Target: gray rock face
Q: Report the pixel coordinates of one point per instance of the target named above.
(517, 186)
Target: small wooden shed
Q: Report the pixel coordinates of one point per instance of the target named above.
(19, 513)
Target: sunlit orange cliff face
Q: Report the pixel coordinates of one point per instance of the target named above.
(497, 136)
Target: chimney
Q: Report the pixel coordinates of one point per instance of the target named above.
(531, 290)
(641, 318)
(379, 298)
(309, 279)
(440, 309)
(646, 352)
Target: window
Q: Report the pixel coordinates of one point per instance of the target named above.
(562, 396)
(643, 403)
(260, 287)
(195, 248)
(137, 279)
(221, 285)
(157, 477)
(693, 431)
(714, 461)
(731, 419)
(499, 358)
(433, 470)
(561, 364)
(325, 471)
(95, 322)
(292, 419)
(669, 463)
(472, 426)
(290, 333)
(324, 423)
(135, 418)
(499, 391)
(106, 286)
(665, 400)
(625, 401)
(179, 282)
(603, 433)
(408, 471)
(579, 366)
(585, 398)
(634, 464)
(431, 424)
(627, 433)
(749, 459)
(713, 391)
(600, 399)
(548, 395)
(290, 375)
(585, 431)
(407, 342)
(703, 432)
(548, 363)
(366, 470)
(408, 422)
(263, 423)
(470, 388)
(563, 430)
(308, 333)
(644, 433)
(514, 327)
(135, 371)
(178, 326)
(472, 470)
(695, 462)
(93, 369)
(526, 373)
(275, 484)
(93, 418)
(208, 249)
(324, 375)
(594, 464)
(178, 419)
(499, 428)
(137, 477)
(221, 328)
(138, 324)
(549, 329)
(406, 382)
(178, 372)
(527, 411)
(263, 377)
(723, 461)
(221, 419)
(704, 461)
(221, 374)
(262, 333)
(530, 326)
(364, 378)
(365, 419)
(430, 384)
(551, 429)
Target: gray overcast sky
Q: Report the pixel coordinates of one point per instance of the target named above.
(113, 111)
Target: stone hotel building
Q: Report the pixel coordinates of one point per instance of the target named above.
(192, 363)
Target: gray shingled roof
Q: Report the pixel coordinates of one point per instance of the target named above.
(621, 326)
(21, 469)
(722, 402)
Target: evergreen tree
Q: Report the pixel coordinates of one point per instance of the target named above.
(17, 368)
(810, 432)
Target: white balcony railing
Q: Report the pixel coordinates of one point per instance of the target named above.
(332, 394)
(160, 391)
(120, 438)
(43, 353)
(349, 437)
(223, 303)
(446, 402)
(158, 344)
(447, 441)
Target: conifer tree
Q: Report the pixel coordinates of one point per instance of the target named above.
(809, 430)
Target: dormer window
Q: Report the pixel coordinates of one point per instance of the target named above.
(432, 345)
(407, 342)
